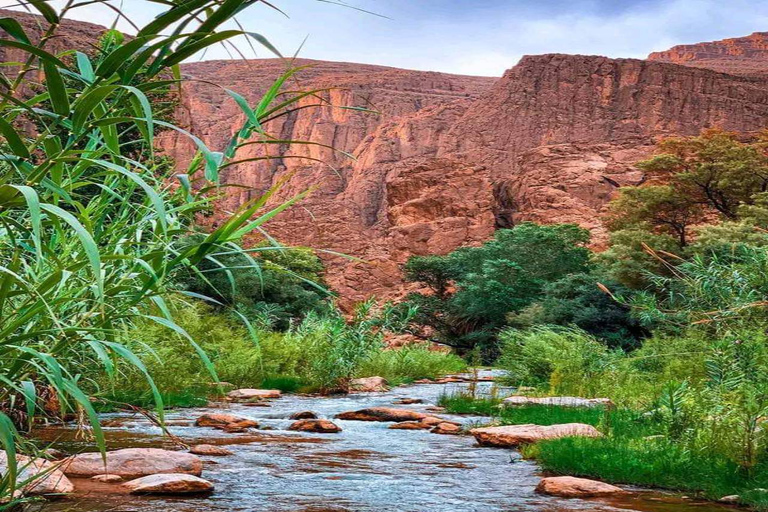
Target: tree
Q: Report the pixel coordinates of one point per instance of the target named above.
(473, 289)
(659, 208)
(576, 300)
(716, 170)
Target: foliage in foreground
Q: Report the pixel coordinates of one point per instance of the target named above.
(91, 218)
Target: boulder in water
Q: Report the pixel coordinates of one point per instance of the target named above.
(303, 415)
(169, 484)
(571, 487)
(382, 414)
(446, 428)
(314, 425)
(230, 422)
(209, 449)
(510, 436)
(251, 394)
(132, 463)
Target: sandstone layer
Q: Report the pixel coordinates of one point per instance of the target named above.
(746, 56)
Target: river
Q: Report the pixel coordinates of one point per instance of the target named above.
(365, 468)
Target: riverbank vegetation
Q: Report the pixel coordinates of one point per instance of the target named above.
(678, 341)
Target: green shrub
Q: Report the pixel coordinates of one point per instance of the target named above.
(409, 363)
(565, 360)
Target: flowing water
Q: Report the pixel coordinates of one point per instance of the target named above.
(365, 468)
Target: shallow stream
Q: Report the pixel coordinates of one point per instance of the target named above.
(365, 468)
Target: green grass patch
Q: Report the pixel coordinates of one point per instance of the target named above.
(409, 363)
(466, 404)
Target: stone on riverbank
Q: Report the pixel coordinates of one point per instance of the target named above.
(433, 421)
(228, 422)
(558, 401)
(303, 415)
(382, 414)
(317, 426)
(369, 385)
(250, 394)
(50, 480)
(511, 436)
(571, 487)
(209, 449)
(133, 463)
(169, 484)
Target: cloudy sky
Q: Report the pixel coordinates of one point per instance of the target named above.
(479, 37)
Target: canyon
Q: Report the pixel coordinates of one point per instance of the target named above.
(427, 162)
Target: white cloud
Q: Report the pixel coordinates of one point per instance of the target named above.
(486, 41)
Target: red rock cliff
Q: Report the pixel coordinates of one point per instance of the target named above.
(746, 56)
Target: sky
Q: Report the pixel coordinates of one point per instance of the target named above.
(475, 37)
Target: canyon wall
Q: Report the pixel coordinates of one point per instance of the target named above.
(445, 160)
(437, 161)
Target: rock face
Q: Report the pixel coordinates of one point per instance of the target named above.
(42, 477)
(169, 484)
(382, 414)
(450, 159)
(558, 401)
(511, 436)
(737, 56)
(132, 463)
(444, 160)
(571, 487)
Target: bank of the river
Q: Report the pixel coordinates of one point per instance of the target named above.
(365, 468)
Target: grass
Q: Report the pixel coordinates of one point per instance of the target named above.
(410, 363)
(191, 397)
(626, 455)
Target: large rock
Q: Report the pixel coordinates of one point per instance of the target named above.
(558, 401)
(511, 436)
(382, 414)
(368, 385)
(317, 426)
(254, 394)
(571, 487)
(37, 477)
(169, 484)
(231, 422)
(132, 463)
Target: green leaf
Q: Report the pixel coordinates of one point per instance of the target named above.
(13, 139)
(56, 89)
(14, 29)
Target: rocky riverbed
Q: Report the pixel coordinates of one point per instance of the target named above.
(365, 467)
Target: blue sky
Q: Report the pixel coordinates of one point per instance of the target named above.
(480, 37)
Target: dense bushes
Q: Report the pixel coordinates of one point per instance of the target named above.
(319, 353)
